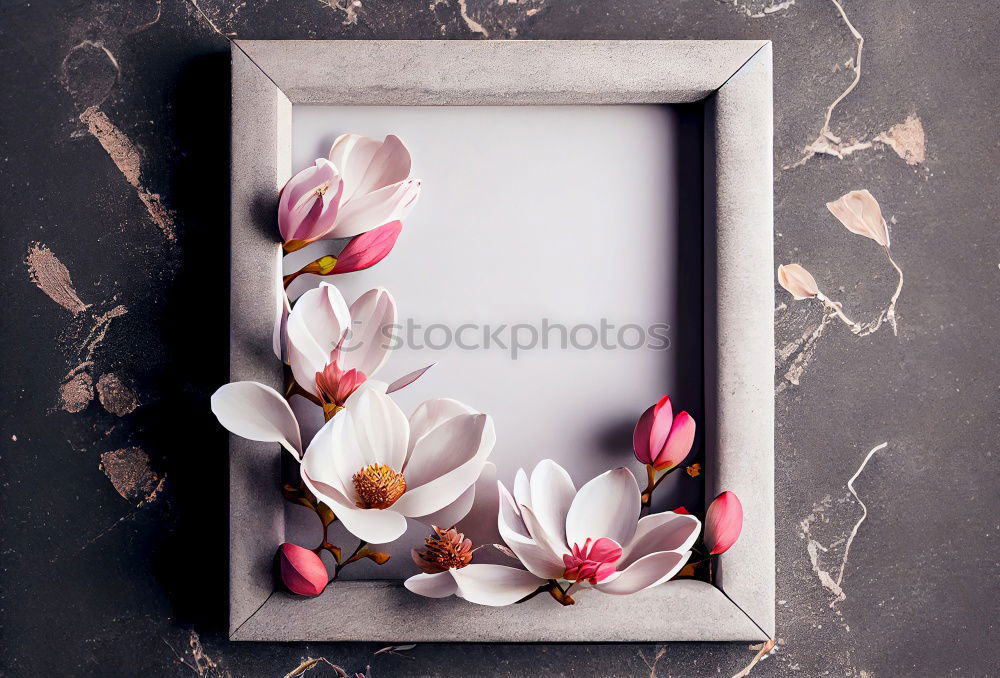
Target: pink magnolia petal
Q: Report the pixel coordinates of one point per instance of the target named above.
(678, 444)
(723, 523)
(367, 249)
(309, 203)
(640, 437)
(663, 419)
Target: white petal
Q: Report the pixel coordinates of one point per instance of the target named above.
(646, 572)
(437, 585)
(257, 412)
(444, 449)
(333, 456)
(552, 493)
(381, 429)
(494, 585)
(373, 319)
(607, 506)
(282, 307)
(468, 437)
(315, 327)
(352, 154)
(509, 517)
(539, 559)
(541, 536)
(522, 490)
(375, 526)
(389, 165)
(667, 531)
(432, 413)
(453, 512)
(364, 212)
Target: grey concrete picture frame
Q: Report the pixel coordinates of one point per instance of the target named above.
(733, 80)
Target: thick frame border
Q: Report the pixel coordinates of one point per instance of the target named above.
(734, 80)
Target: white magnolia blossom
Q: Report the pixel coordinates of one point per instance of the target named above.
(333, 349)
(375, 468)
(593, 537)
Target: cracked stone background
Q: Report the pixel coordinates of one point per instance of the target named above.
(114, 129)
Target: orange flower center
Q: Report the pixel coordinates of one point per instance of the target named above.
(445, 550)
(378, 486)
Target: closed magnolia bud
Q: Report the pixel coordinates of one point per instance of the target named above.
(860, 213)
(660, 439)
(369, 248)
(302, 571)
(797, 281)
(723, 523)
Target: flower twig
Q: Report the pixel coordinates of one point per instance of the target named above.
(652, 482)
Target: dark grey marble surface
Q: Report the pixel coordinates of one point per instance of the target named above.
(114, 127)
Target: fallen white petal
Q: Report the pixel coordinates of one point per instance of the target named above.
(257, 412)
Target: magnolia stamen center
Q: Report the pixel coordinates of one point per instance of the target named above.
(378, 486)
(444, 550)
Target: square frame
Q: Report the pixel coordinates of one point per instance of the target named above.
(732, 78)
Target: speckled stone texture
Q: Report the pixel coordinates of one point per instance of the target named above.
(114, 126)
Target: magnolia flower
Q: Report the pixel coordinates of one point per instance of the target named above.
(447, 570)
(723, 523)
(376, 188)
(308, 207)
(374, 468)
(660, 439)
(861, 214)
(594, 536)
(797, 281)
(333, 349)
(302, 571)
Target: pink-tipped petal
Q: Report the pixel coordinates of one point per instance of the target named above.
(646, 572)
(723, 523)
(302, 571)
(309, 203)
(678, 444)
(364, 212)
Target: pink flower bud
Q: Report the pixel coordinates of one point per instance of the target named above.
(309, 203)
(797, 281)
(367, 249)
(860, 213)
(662, 440)
(302, 571)
(723, 523)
